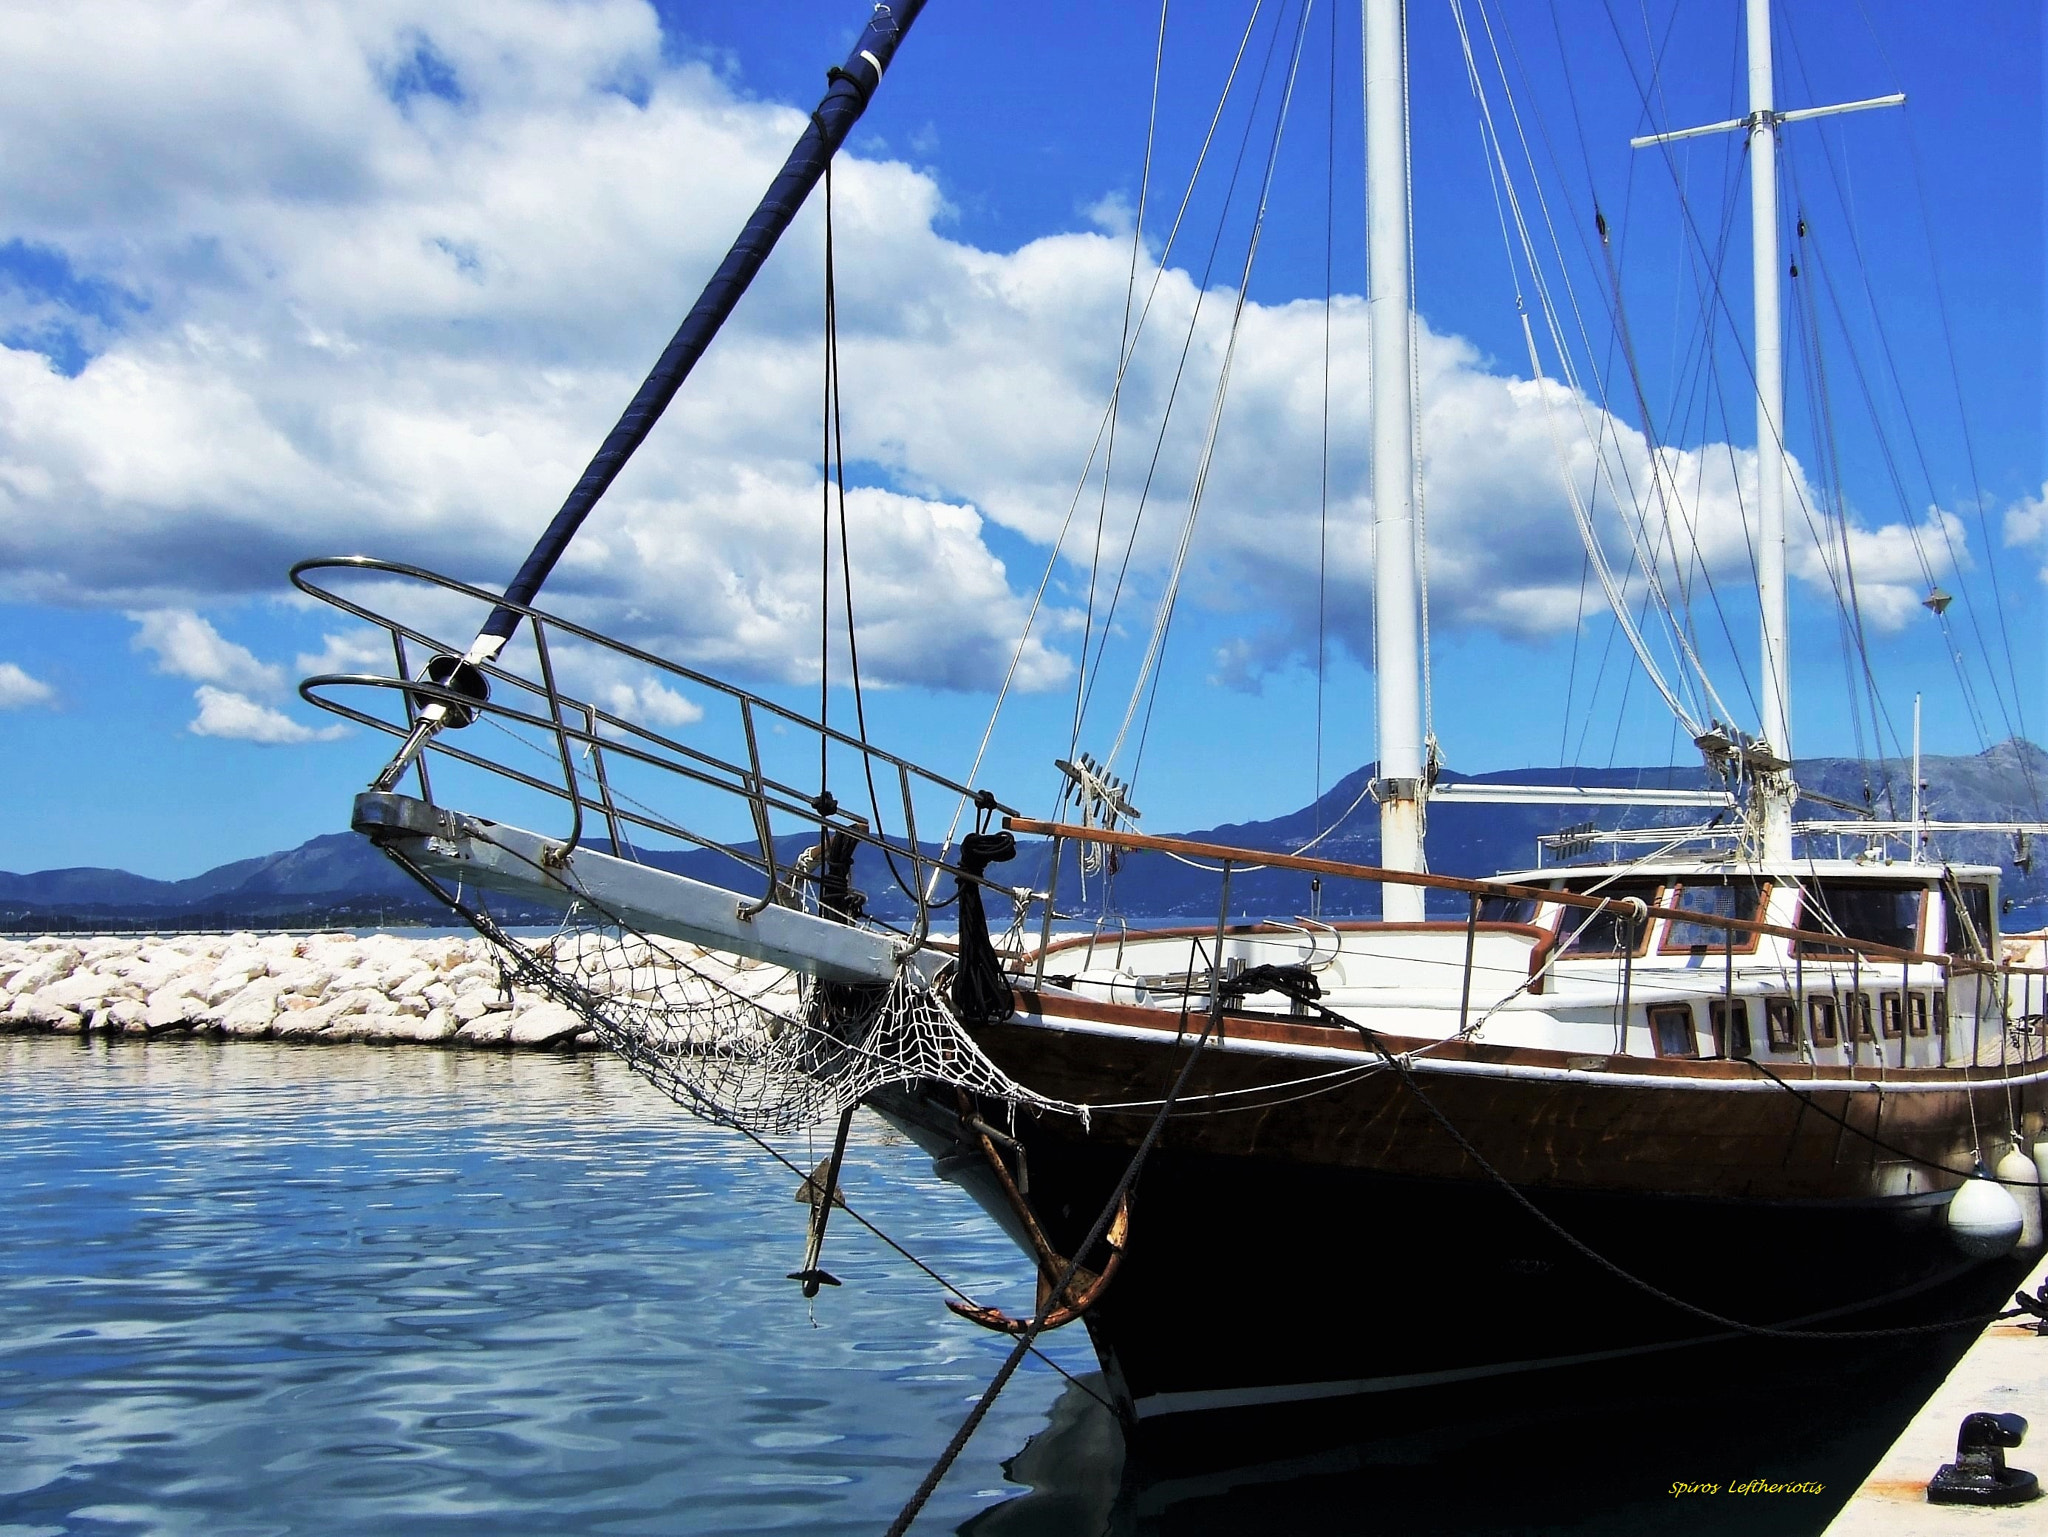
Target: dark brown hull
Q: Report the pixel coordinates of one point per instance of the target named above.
(1298, 1239)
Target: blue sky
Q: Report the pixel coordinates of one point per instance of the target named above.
(318, 279)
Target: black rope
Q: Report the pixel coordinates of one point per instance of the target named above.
(1587, 1251)
(1009, 1367)
(835, 454)
(1878, 1142)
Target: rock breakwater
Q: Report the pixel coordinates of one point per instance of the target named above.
(378, 989)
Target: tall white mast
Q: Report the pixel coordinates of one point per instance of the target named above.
(1770, 431)
(1775, 791)
(1397, 667)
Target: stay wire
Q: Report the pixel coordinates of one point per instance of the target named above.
(1116, 388)
(1031, 1332)
(1186, 350)
(1170, 598)
(1962, 415)
(1323, 505)
(836, 447)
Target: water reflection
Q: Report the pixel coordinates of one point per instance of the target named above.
(345, 1289)
(266, 1289)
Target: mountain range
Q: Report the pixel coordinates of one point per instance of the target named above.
(339, 880)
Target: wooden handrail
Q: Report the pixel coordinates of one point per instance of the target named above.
(1191, 849)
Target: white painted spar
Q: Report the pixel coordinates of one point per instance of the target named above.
(514, 862)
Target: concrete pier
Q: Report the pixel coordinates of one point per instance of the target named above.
(2005, 1372)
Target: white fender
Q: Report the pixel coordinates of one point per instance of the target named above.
(1984, 1220)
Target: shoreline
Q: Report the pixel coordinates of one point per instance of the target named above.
(375, 989)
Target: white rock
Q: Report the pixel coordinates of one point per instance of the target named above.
(473, 1006)
(248, 1017)
(303, 976)
(172, 1005)
(415, 984)
(53, 966)
(491, 1030)
(545, 1024)
(127, 1015)
(439, 1025)
(81, 992)
(28, 1011)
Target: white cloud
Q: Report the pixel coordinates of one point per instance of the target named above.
(187, 646)
(2026, 524)
(361, 651)
(652, 704)
(348, 314)
(18, 690)
(223, 713)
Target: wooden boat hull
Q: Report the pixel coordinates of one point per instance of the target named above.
(1299, 1239)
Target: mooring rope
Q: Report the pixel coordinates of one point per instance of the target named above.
(1587, 1251)
(1032, 1330)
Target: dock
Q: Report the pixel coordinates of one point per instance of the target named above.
(2005, 1372)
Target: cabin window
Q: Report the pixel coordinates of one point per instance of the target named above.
(1722, 899)
(1888, 1009)
(1974, 917)
(1880, 912)
(1730, 1018)
(1781, 1023)
(1820, 1021)
(1941, 1013)
(1916, 1013)
(1586, 933)
(1859, 1016)
(1507, 909)
(1671, 1029)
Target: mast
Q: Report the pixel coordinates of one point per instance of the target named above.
(1771, 758)
(1775, 789)
(1397, 657)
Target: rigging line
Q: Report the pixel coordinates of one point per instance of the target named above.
(1966, 686)
(1955, 378)
(1721, 301)
(1661, 477)
(1123, 363)
(836, 445)
(1603, 467)
(1639, 532)
(1419, 534)
(1571, 678)
(1587, 534)
(1599, 677)
(1806, 323)
(1036, 1326)
(1180, 368)
(1124, 350)
(1170, 596)
(1926, 470)
(1323, 507)
(1660, 469)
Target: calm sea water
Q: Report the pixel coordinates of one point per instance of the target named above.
(259, 1289)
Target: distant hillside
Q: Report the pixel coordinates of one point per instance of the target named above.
(338, 879)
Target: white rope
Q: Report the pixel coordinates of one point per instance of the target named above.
(1116, 385)
(1169, 596)
(1509, 207)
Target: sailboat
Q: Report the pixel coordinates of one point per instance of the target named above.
(1729, 1108)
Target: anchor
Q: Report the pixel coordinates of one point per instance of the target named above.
(1086, 1287)
(824, 1196)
